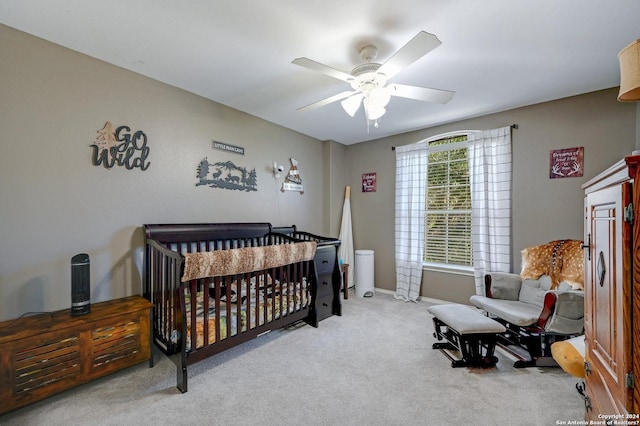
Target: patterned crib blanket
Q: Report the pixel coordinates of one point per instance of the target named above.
(247, 259)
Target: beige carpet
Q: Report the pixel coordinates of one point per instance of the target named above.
(372, 366)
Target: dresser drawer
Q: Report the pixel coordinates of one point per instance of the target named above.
(325, 259)
(324, 307)
(325, 286)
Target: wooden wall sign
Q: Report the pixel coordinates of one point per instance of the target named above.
(226, 175)
(227, 147)
(120, 147)
(568, 162)
(293, 180)
(369, 182)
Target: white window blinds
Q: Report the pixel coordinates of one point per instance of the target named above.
(448, 212)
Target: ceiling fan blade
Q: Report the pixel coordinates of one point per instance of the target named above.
(415, 49)
(327, 101)
(317, 66)
(421, 93)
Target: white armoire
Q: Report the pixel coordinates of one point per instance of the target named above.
(612, 292)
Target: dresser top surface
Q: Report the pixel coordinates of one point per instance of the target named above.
(50, 321)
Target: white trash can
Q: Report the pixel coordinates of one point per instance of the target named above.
(364, 273)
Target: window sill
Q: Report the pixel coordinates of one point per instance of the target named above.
(448, 269)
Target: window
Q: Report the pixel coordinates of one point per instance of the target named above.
(437, 221)
(448, 211)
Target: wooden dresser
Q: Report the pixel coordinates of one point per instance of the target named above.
(47, 353)
(326, 301)
(612, 292)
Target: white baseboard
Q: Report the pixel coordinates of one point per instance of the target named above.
(429, 300)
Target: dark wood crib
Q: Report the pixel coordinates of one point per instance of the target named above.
(214, 286)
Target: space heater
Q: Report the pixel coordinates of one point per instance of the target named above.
(80, 285)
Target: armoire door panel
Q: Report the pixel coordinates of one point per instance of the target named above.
(602, 400)
(607, 301)
(603, 292)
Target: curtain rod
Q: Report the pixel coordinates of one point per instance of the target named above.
(513, 126)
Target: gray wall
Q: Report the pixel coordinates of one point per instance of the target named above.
(55, 203)
(543, 209)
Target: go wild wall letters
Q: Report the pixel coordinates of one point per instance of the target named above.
(120, 147)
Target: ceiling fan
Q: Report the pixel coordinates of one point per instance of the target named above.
(369, 80)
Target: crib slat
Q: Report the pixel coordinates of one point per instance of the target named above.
(193, 314)
(173, 291)
(227, 303)
(218, 295)
(205, 306)
(231, 319)
(268, 288)
(281, 290)
(292, 296)
(251, 277)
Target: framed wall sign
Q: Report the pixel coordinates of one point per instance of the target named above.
(568, 162)
(369, 182)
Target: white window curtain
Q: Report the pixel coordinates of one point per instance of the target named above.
(411, 185)
(490, 179)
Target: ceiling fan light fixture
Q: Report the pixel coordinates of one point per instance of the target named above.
(352, 104)
(380, 96)
(373, 111)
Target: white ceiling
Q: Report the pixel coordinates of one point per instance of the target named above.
(495, 54)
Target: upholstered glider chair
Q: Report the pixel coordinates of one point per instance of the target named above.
(535, 316)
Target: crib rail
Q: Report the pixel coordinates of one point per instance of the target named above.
(292, 231)
(222, 233)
